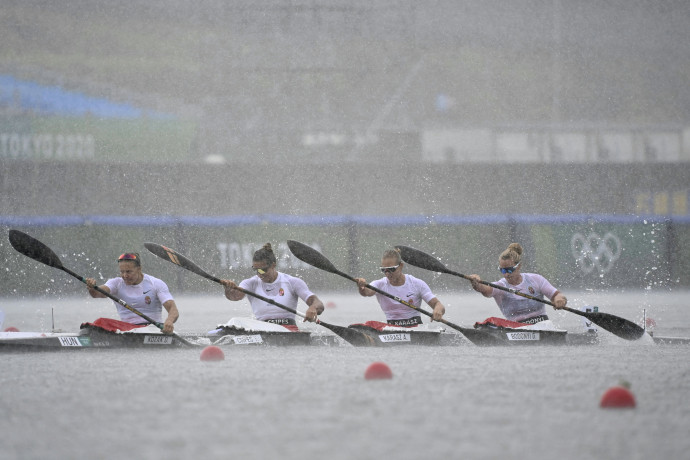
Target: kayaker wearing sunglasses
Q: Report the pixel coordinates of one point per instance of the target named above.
(283, 288)
(514, 307)
(406, 287)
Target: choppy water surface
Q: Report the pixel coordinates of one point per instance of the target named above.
(313, 402)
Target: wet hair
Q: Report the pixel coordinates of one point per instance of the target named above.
(514, 253)
(265, 254)
(130, 257)
(392, 254)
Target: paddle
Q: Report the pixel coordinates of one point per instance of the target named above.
(614, 324)
(351, 336)
(38, 251)
(316, 259)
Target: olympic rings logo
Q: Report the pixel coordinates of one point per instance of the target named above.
(593, 252)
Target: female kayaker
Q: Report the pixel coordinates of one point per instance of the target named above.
(517, 308)
(141, 291)
(406, 287)
(283, 288)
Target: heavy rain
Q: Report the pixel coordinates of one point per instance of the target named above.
(213, 127)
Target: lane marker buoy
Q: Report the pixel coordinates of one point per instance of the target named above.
(378, 371)
(618, 397)
(212, 353)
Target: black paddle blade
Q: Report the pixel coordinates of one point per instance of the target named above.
(616, 325)
(421, 259)
(165, 253)
(175, 257)
(34, 249)
(351, 336)
(621, 327)
(311, 256)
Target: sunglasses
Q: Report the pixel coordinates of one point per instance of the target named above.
(389, 269)
(505, 270)
(129, 256)
(261, 271)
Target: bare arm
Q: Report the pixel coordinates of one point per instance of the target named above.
(559, 300)
(315, 308)
(173, 315)
(439, 309)
(91, 283)
(315, 302)
(230, 292)
(363, 289)
(481, 288)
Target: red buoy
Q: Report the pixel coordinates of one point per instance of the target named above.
(11, 329)
(212, 353)
(330, 304)
(378, 370)
(617, 397)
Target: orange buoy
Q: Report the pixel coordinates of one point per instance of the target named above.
(377, 371)
(212, 353)
(330, 304)
(618, 397)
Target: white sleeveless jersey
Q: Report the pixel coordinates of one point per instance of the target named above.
(413, 291)
(148, 297)
(517, 308)
(285, 290)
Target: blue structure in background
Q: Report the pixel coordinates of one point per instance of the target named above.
(53, 100)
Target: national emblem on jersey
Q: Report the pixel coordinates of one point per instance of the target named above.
(281, 292)
(531, 290)
(147, 299)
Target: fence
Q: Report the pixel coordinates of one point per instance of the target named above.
(573, 251)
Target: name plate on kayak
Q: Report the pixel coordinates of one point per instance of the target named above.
(245, 339)
(401, 337)
(526, 335)
(75, 341)
(158, 339)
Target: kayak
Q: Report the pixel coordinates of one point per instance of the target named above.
(671, 340)
(486, 337)
(501, 332)
(387, 335)
(490, 336)
(105, 333)
(250, 332)
(87, 338)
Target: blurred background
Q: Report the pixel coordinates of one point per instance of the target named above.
(455, 127)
